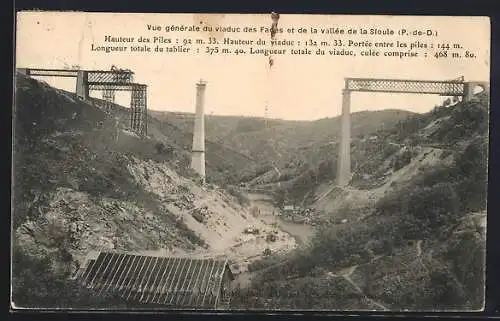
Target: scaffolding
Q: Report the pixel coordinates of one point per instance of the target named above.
(138, 109)
(108, 95)
(108, 82)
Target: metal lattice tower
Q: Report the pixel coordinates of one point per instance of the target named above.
(108, 95)
(109, 82)
(455, 88)
(138, 109)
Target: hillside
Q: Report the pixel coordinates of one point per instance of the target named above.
(407, 233)
(413, 231)
(219, 128)
(247, 134)
(221, 161)
(378, 159)
(84, 183)
(285, 150)
(411, 148)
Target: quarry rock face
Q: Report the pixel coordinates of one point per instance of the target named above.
(82, 224)
(207, 211)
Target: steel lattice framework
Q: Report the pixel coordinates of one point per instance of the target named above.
(107, 81)
(108, 96)
(94, 76)
(122, 80)
(51, 72)
(138, 109)
(113, 76)
(443, 88)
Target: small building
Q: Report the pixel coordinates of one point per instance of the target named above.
(292, 209)
(170, 282)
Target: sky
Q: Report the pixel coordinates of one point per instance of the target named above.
(295, 88)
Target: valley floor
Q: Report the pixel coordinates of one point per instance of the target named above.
(302, 233)
(290, 236)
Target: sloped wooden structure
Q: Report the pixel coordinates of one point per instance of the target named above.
(171, 282)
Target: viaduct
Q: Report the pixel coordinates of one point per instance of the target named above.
(457, 88)
(113, 80)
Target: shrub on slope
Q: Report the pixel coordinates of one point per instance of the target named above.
(429, 210)
(37, 284)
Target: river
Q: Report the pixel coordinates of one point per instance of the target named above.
(302, 233)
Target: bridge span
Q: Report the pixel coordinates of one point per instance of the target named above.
(456, 88)
(108, 82)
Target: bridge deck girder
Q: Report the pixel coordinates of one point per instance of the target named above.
(93, 76)
(116, 86)
(443, 88)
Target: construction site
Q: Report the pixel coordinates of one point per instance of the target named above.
(183, 241)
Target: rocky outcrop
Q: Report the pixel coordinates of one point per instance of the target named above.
(80, 223)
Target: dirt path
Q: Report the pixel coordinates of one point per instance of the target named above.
(328, 192)
(347, 272)
(419, 248)
(376, 303)
(346, 275)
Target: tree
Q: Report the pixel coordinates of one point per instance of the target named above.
(159, 147)
(36, 284)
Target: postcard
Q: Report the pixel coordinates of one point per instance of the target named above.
(238, 162)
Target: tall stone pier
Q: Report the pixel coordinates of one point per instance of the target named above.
(82, 84)
(23, 71)
(198, 151)
(344, 159)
